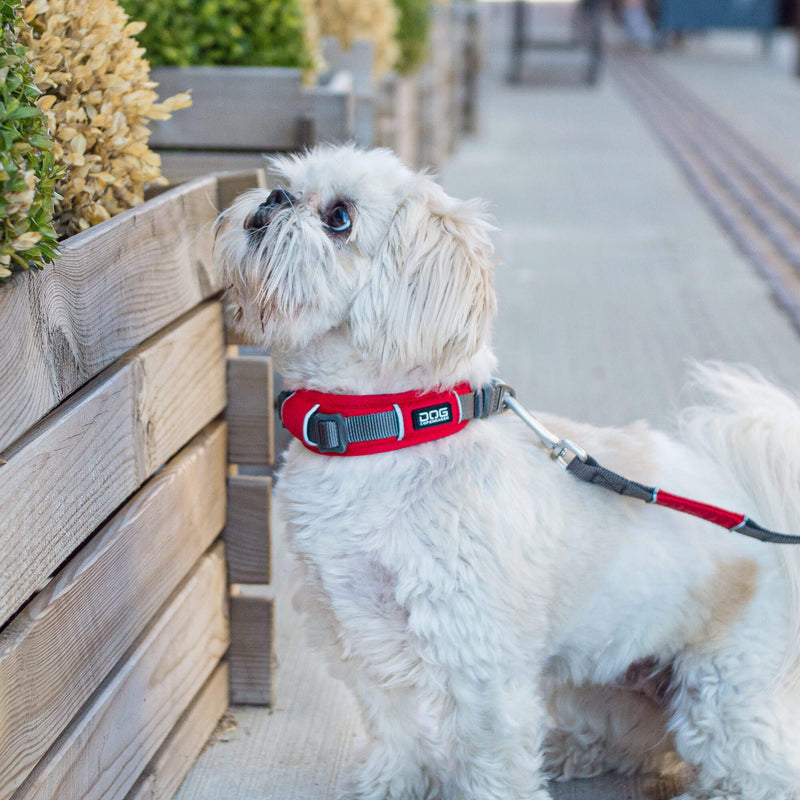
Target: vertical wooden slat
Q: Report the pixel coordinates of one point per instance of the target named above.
(251, 652)
(247, 534)
(250, 411)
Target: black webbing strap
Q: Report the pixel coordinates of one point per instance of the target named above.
(590, 471)
(755, 531)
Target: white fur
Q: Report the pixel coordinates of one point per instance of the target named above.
(474, 595)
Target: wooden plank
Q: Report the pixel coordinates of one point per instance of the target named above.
(105, 751)
(247, 534)
(163, 775)
(233, 108)
(250, 412)
(179, 166)
(69, 473)
(115, 285)
(56, 652)
(252, 651)
(231, 184)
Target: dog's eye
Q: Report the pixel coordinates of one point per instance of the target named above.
(338, 219)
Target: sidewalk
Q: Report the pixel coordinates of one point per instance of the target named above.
(728, 73)
(611, 275)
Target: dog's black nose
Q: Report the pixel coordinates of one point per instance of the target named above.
(279, 197)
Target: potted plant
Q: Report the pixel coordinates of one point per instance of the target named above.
(246, 63)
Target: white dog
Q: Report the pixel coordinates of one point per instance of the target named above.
(500, 622)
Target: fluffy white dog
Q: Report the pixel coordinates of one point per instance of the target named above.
(500, 622)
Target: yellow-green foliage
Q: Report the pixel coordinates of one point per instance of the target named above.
(356, 19)
(27, 165)
(98, 99)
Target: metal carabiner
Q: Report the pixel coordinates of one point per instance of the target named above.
(555, 446)
(558, 450)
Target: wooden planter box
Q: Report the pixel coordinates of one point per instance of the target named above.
(115, 447)
(238, 113)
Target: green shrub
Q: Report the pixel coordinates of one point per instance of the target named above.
(27, 163)
(413, 25)
(232, 32)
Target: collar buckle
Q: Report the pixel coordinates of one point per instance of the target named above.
(490, 398)
(328, 433)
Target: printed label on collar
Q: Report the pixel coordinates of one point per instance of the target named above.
(432, 415)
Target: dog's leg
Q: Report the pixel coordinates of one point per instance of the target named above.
(599, 729)
(731, 722)
(404, 761)
(495, 727)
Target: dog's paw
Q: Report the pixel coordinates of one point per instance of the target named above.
(381, 777)
(565, 757)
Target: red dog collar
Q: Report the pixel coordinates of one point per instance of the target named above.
(359, 425)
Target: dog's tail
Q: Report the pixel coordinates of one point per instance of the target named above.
(752, 429)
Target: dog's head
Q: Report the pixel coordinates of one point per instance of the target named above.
(360, 274)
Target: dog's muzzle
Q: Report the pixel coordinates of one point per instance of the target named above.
(261, 217)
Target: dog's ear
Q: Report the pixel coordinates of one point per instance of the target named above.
(430, 301)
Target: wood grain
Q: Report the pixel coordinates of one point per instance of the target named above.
(250, 413)
(251, 656)
(247, 539)
(115, 285)
(59, 648)
(163, 775)
(105, 751)
(71, 471)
